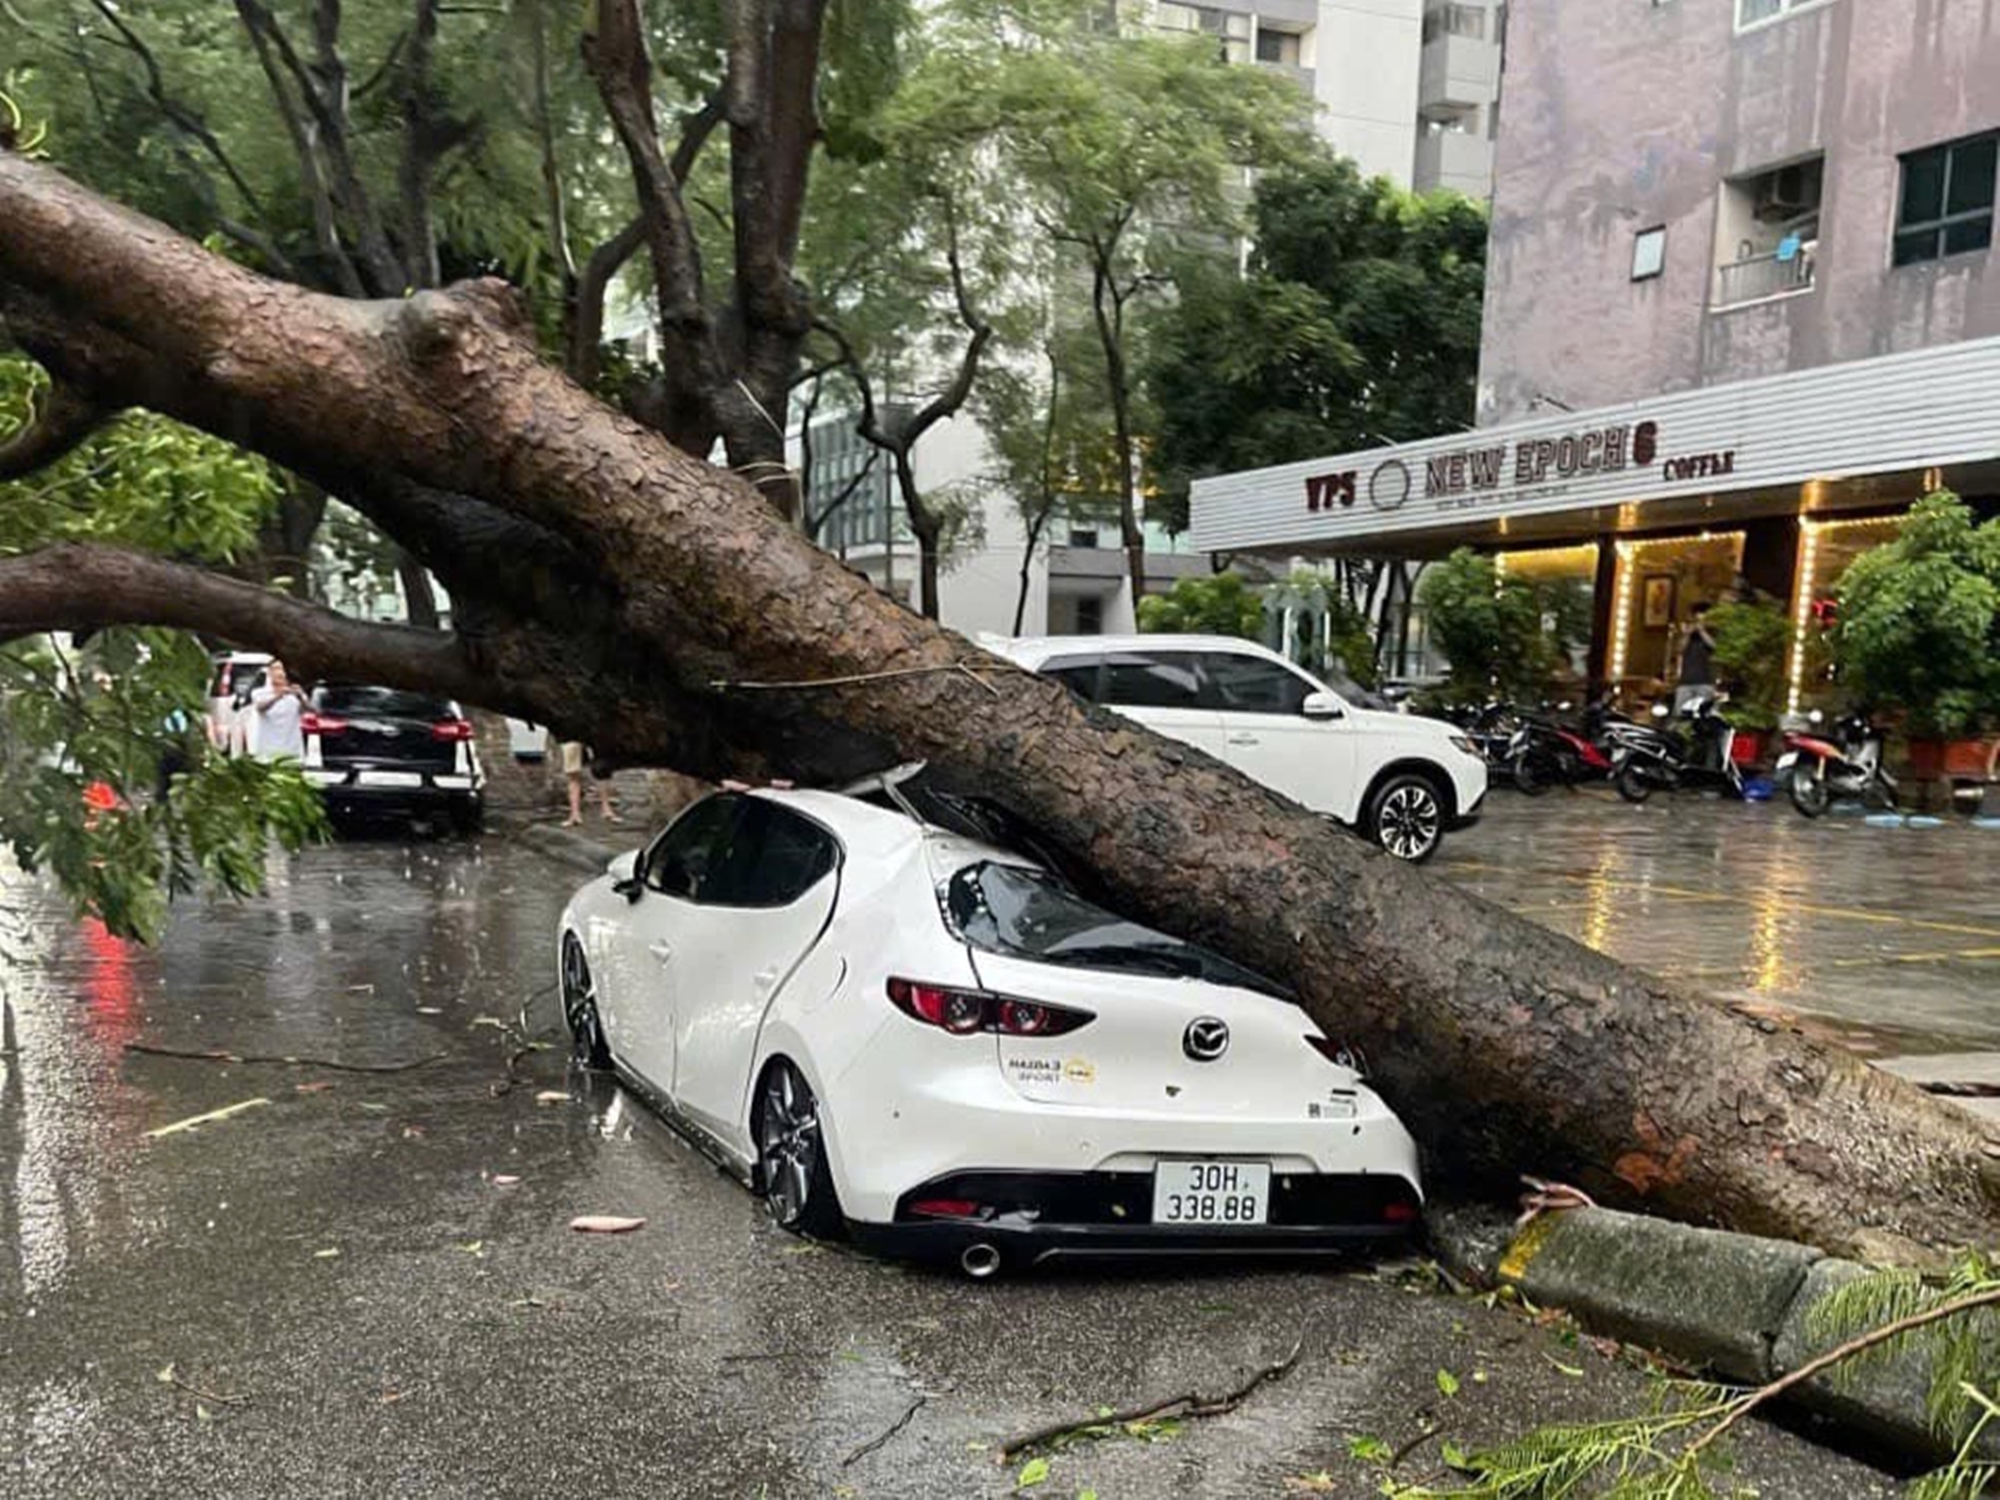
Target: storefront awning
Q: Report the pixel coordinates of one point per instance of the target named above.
(1867, 432)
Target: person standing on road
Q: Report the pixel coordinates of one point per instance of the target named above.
(1697, 679)
(573, 757)
(280, 705)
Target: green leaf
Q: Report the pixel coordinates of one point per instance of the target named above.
(1033, 1472)
(1447, 1383)
(1368, 1448)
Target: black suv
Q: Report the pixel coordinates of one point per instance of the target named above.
(383, 752)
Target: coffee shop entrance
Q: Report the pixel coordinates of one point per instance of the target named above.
(1765, 489)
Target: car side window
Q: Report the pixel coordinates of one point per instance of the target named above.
(686, 858)
(1251, 685)
(1078, 674)
(1166, 679)
(775, 857)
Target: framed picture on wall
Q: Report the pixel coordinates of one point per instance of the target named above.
(1656, 600)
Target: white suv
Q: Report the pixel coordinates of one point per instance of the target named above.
(1401, 780)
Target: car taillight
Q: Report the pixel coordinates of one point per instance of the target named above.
(946, 1208)
(452, 729)
(963, 1012)
(1340, 1056)
(312, 723)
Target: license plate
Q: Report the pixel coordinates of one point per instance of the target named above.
(1212, 1192)
(391, 778)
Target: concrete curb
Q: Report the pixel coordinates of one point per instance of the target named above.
(579, 849)
(1733, 1304)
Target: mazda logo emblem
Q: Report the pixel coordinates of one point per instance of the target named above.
(1206, 1038)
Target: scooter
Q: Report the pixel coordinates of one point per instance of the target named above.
(1816, 769)
(1545, 752)
(1490, 727)
(1646, 759)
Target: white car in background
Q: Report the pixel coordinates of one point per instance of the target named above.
(1401, 780)
(898, 1030)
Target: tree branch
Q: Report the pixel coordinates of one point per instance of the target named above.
(62, 424)
(179, 114)
(616, 56)
(76, 585)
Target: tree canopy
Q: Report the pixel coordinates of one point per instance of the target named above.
(1357, 326)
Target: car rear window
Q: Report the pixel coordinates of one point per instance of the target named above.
(381, 702)
(1023, 913)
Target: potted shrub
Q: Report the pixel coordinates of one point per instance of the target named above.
(1919, 631)
(1753, 644)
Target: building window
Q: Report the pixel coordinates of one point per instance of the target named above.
(1751, 12)
(1090, 615)
(1078, 537)
(1454, 20)
(1649, 253)
(1947, 204)
(1280, 47)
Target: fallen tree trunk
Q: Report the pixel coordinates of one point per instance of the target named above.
(717, 641)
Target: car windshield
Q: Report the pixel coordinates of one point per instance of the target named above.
(1025, 913)
(384, 703)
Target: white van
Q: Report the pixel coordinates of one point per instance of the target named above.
(1403, 781)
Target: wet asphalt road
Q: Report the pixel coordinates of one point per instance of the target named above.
(1890, 937)
(330, 1294)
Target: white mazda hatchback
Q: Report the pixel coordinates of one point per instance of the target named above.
(891, 1029)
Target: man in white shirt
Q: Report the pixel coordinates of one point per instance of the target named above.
(280, 703)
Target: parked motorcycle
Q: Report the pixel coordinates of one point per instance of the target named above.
(1490, 726)
(1815, 769)
(1650, 758)
(1546, 752)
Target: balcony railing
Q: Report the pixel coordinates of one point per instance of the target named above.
(1771, 274)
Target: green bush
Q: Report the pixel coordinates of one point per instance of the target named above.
(1753, 645)
(1919, 621)
(1500, 634)
(1219, 605)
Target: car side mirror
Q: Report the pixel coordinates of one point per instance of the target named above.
(1321, 706)
(625, 875)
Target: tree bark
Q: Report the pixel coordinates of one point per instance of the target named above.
(1504, 1046)
(1109, 310)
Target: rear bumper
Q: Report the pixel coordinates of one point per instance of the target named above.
(1046, 1216)
(367, 789)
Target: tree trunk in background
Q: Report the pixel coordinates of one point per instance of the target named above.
(285, 541)
(419, 598)
(672, 615)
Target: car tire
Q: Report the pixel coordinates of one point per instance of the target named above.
(1406, 817)
(792, 1171)
(579, 1002)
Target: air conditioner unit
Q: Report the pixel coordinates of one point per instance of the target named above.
(1787, 192)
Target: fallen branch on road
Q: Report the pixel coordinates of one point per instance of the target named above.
(894, 1427)
(216, 1055)
(1193, 1404)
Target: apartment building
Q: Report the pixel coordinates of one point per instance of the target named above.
(1742, 308)
(1407, 89)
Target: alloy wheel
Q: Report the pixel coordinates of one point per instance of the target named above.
(579, 1002)
(1409, 820)
(788, 1144)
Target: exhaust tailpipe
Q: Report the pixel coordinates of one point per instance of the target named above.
(979, 1261)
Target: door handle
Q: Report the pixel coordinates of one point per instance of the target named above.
(664, 952)
(764, 979)
(1244, 737)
